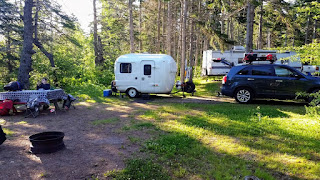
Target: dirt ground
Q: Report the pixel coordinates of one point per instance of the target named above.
(91, 150)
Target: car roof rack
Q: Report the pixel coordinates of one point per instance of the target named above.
(253, 57)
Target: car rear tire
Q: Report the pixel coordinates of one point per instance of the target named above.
(132, 93)
(243, 95)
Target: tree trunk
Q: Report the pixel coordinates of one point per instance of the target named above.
(179, 53)
(238, 34)
(260, 26)
(205, 44)
(307, 30)
(249, 36)
(228, 28)
(269, 39)
(98, 51)
(8, 53)
(95, 33)
(222, 23)
(293, 41)
(163, 35)
(27, 51)
(286, 39)
(231, 29)
(132, 48)
(140, 26)
(174, 50)
(314, 34)
(183, 44)
(169, 27)
(198, 38)
(191, 55)
(159, 26)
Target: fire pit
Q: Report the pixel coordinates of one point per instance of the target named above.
(46, 142)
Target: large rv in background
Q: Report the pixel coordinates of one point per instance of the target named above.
(220, 63)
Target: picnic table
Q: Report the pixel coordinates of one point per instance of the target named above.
(44, 96)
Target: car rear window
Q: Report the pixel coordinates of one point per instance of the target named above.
(262, 71)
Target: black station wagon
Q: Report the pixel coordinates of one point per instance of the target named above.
(247, 82)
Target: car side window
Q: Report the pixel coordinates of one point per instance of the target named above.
(125, 68)
(262, 71)
(244, 71)
(283, 72)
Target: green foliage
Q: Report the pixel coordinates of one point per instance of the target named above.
(313, 111)
(75, 69)
(114, 31)
(309, 53)
(86, 90)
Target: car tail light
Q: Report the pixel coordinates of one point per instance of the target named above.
(317, 68)
(224, 79)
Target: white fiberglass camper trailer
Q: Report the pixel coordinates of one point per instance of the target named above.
(144, 73)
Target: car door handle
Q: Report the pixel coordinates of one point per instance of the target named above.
(279, 81)
(250, 79)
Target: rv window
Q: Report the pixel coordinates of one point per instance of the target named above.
(125, 68)
(147, 69)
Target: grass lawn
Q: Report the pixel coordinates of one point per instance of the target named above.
(228, 141)
(222, 141)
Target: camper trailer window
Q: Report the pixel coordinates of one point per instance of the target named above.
(125, 68)
(147, 69)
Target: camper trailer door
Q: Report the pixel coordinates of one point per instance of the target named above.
(147, 76)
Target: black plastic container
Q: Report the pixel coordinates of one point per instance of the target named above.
(46, 142)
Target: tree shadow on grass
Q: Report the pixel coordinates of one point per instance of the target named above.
(268, 139)
(241, 123)
(249, 133)
(185, 156)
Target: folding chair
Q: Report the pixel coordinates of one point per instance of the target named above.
(33, 107)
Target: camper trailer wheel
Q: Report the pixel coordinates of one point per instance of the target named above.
(132, 92)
